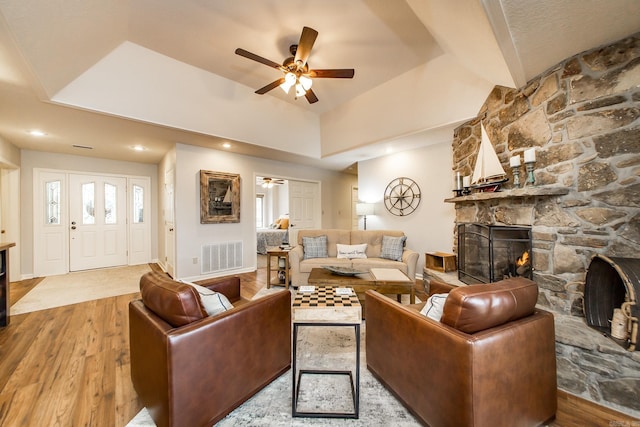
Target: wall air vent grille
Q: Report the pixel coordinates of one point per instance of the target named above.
(221, 257)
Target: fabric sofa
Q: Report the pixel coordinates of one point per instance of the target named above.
(192, 369)
(489, 361)
(301, 265)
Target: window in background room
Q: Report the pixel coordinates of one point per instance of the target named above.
(260, 211)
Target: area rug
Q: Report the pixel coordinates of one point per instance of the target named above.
(318, 348)
(81, 286)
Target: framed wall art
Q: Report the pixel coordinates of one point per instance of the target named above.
(219, 197)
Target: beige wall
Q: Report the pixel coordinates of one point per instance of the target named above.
(9, 154)
(191, 235)
(10, 182)
(430, 226)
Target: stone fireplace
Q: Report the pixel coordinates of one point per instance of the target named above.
(582, 117)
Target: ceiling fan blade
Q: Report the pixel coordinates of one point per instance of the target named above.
(344, 73)
(307, 39)
(259, 59)
(311, 97)
(270, 86)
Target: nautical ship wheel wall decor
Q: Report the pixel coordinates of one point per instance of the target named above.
(402, 196)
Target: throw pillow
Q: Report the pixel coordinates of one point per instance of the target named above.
(315, 247)
(392, 247)
(434, 306)
(352, 251)
(212, 301)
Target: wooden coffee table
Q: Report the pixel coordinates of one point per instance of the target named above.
(362, 282)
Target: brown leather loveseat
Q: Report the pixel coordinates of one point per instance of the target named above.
(489, 361)
(191, 369)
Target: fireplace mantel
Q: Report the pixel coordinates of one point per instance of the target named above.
(510, 194)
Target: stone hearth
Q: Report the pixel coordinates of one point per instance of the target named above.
(583, 119)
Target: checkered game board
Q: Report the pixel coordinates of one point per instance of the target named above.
(324, 297)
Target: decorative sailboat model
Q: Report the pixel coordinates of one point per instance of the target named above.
(227, 195)
(488, 174)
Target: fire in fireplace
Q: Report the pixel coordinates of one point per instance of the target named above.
(488, 253)
(523, 264)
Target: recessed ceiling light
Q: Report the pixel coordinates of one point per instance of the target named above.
(36, 132)
(226, 145)
(138, 148)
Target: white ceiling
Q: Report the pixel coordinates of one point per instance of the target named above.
(111, 74)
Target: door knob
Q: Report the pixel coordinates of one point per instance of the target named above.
(73, 227)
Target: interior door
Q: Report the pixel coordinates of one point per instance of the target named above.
(304, 204)
(169, 226)
(97, 222)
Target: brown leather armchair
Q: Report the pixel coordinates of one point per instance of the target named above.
(192, 370)
(490, 361)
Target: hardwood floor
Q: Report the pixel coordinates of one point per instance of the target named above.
(69, 366)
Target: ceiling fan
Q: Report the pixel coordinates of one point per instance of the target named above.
(267, 182)
(296, 69)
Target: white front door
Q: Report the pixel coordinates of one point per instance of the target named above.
(97, 221)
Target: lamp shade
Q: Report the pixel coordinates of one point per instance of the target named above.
(364, 208)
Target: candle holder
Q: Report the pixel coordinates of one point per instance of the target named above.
(466, 191)
(516, 176)
(458, 188)
(531, 179)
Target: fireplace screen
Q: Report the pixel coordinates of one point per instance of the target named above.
(488, 253)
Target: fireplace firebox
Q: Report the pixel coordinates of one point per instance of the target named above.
(488, 253)
(612, 285)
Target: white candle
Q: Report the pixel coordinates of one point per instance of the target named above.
(530, 155)
(458, 181)
(514, 161)
(466, 181)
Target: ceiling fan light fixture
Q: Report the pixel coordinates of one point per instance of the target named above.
(306, 82)
(300, 91)
(289, 80)
(296, 68)
(285, 87)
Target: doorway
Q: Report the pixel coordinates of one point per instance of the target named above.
(296, 199)
(86, 221)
